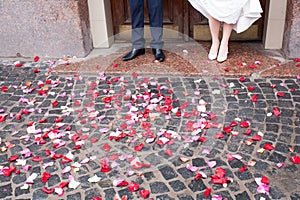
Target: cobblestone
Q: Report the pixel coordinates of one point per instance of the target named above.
(168, 176)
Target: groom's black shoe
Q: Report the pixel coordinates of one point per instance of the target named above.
(159, 54)
(133, 54)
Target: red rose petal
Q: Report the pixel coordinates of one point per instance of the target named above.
(18, 64)
(265, 180)
(97, 198)
(48, 191)
(13, 158)
(4, 88)
(2, 118)
(122, 184)
(168, 152)
(276, 111)
(280, 94)
(76, 147)
(248, 132)
(251, 88)
(233, 124)
(217, 180)
(134, 75)
(106, 147)
(254, 98)
(132, 187)
(144, 193)
(139, 147)
(42, 121)
(219, 135)
(256, 138)
(240, 64)
(198, 177)
(296, 59)
(36, 58)
(268, 146)
(105, 168)
(37, 159)
(66, 160)
(227, 129)
(220, 172)
(55, 103)
(58, 119)
(45, 177)
(244, 168)
(94, 140)
(207, 192)
(295, 159)
(7, 171)
(252, 66)
(245, 124)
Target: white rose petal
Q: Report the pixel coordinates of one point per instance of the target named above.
(25, 187)
(94, 179)
(73, 184)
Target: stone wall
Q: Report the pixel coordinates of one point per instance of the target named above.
(47, 28)
(291, 42)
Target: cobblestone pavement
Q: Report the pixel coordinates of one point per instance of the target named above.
(80, 136)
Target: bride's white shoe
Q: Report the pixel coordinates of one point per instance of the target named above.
(213, 52)
(222, 55)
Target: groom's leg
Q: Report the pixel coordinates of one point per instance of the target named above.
(155, 8)
(137, 21)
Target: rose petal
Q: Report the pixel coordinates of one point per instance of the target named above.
(132, 187)
(184, 159)
(211, 164)
(216, 197)
(48, 191)
(220, 172)
(120, 182)
(245, 124)
(168, 152)
(251, 163)
(66, 169)
(139, 147)
(256, 138)
(295, 159)
(276, 111)
(45, 177)
(144, 193)
(94, 179)
(192, 168)
(268, 146)
(254, 98)
(59, 191)
(73, 184)
(30, 179)
(280, 94)
(207, 192)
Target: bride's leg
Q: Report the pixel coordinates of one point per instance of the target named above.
(214, 26)
(223, 51)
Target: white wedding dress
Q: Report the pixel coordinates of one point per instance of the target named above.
(241, 13)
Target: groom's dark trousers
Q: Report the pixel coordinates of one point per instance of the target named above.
(155, 9)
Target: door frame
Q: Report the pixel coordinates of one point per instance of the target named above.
(102, 28)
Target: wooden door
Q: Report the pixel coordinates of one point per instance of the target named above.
(173, 16)
(179, 16)
(199, 30)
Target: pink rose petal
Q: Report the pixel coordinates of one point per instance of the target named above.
(211, 164)
(192, 168)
